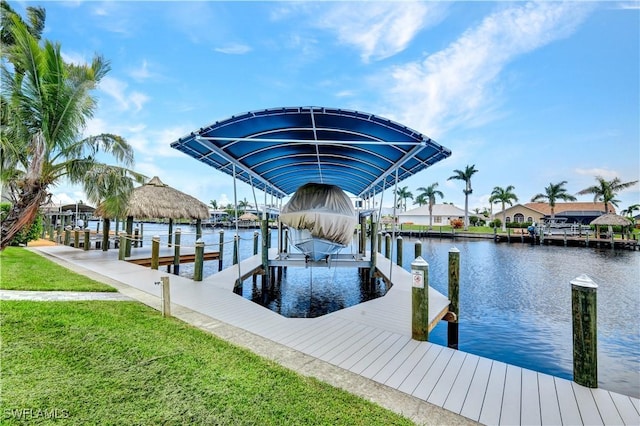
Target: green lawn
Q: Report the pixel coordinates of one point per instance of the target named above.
(123, 363)
(117, 363)
(21, 269)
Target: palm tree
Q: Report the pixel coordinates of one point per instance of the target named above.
(552, 193)
(606, 191)
(243, 205)
(109, 188)
(213, 204)
(404, 193)
(504, 196)
(465, 175)
(44, 111)
(430, 193)
(36, 17)
(420, 200)
(630, 210)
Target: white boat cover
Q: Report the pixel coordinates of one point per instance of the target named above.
(324, 210)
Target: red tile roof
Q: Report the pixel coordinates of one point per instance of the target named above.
(544, 208)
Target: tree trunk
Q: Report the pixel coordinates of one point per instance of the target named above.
(430, 218)
(466, 213)
(504, 218)
(23, 212)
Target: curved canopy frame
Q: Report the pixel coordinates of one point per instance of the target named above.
(278, 150)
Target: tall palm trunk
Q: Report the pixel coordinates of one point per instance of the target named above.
(430, 216)
(33, 192)
(23, 212)
(466, 211)
(504, 218)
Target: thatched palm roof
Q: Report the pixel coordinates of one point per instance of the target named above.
(156, 199)
(248, 216)
(611, 219)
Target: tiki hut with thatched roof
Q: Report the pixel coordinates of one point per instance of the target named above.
(249, 217)
(157, 200)
(610, 220)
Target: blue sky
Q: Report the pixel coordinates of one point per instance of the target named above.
(531, 93)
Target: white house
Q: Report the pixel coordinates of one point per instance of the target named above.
(442, 214)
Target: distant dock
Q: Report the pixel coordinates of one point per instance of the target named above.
(513, 236)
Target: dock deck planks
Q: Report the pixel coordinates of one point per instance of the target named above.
(373, 339)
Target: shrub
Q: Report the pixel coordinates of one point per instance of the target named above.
(495, 223)
(518, 224)
(456, 223)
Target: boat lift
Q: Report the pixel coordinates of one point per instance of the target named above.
(278, 150)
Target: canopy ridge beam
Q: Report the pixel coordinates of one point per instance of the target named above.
(309, 141)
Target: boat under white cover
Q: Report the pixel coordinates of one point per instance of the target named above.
(314, 248)
(321, 218)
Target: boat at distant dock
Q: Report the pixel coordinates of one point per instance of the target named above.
(559, 226)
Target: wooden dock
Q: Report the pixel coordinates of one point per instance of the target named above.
(570, 241)
(373, 339)
(169, 259)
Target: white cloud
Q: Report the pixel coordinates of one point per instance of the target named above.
(154, 144)
(630, 5)
(149, 169)
(142, 72)
(380, 30)
(62, 198)
(234, 49)
(147, 143)
(604, 173)
(345, 94)
(117, 89)
(74, 58)
(95, 126)
(223, 200)
(114, 17)
(459, 84)
(138, 100)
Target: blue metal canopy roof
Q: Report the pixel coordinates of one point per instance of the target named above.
(278, 150)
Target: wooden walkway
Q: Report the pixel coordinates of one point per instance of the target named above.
(169, 259)
(373, 339)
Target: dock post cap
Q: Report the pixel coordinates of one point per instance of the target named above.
(200, 241)
(156, 237)
(584, 281)
(178, 230)
(419, 261)
(454, 250)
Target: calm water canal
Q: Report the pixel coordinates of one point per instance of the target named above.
(515, 299)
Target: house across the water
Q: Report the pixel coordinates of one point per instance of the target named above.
(441, 215)
(570, 213)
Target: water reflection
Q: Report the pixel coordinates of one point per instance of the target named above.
(313, 292)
